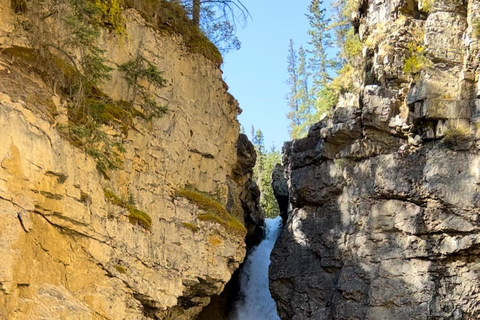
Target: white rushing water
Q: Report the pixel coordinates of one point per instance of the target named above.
(256, 302)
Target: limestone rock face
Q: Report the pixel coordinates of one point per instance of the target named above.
(384, 196)
(67, 252)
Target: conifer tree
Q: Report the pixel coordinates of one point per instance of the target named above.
(262, 174)
(292, 81)
(303, 96)
(320, 40)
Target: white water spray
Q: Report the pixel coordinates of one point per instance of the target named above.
(256, 302)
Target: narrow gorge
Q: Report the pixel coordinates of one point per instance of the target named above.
(127, 191)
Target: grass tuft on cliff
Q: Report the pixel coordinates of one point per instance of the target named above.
(214, 211)
(457, 135)
(135, 216)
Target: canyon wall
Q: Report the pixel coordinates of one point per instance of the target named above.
(71, 242)
(384, 193)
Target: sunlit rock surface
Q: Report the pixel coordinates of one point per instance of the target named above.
(67, 252)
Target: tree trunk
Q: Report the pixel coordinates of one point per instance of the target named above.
(196, 12)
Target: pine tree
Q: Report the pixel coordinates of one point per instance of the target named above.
(300, 99)
(320, 40)
(262, 174)
(292, 96)
(303, 96)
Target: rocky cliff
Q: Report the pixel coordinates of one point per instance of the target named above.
(384, 193)
(153, 239)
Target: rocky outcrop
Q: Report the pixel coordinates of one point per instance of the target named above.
(384, 194)
(280, 190)
(250, 196)
(70, 248)
(222, 306)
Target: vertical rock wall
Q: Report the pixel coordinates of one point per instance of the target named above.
(67, 252)
(384, 220)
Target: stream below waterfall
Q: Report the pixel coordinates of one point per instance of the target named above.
(256, 302)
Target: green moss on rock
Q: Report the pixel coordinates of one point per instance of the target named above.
(214, 211)
(135, 216)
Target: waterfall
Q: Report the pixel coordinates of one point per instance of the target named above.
(256, 302)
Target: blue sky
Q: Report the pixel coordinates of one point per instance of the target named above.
(257, 73)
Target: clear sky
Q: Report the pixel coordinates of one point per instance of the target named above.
(257, 73)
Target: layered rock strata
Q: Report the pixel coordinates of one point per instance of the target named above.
(384, 219)
(70, 253)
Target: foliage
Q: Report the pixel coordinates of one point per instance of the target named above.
(292, 96)
(101, 147)
(456, 135)
(427, 5)
(136, 72)
(218, 19)
(135, 216)
(214, 211)
(171, 17)
(303, 92)
(220, 31)
(67, 55)
(167, 15)
(352, 48)
(262, 175)
(320, 64)
(416, 61)
(315, 87)
(111, 14)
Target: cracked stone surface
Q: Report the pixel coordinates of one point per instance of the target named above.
(68, 253)
(384, 219)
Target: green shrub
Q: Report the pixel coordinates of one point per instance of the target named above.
(140, 70)
(416, 61)
(353, 46)
(111, 12)
(140, 217)
(427, 5)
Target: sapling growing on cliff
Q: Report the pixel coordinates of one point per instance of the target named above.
(136, 72)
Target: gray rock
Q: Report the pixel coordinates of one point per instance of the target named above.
(384, 221)
(280, 190)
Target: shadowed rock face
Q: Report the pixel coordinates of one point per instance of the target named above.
(250, 196)
(384, 202)
(280, 190)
